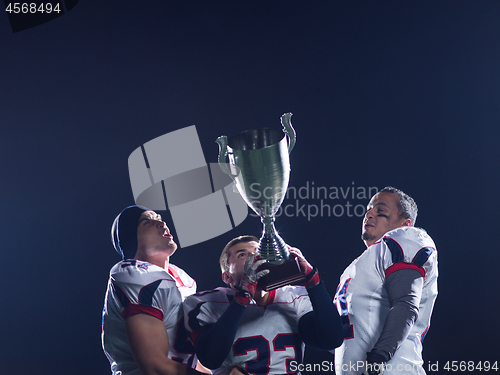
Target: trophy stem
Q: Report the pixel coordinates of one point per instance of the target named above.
(271, 245)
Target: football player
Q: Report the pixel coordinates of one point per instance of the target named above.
(387, 294)
(142, 330)
(257, 331)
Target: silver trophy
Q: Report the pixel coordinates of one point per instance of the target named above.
(259, 164)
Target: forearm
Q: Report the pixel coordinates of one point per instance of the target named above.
(214, 342)
(396, 328)
(321, 328)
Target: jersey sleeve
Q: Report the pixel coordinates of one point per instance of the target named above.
(407, 248)
(204, 308)
(140, 287)
(185, 283)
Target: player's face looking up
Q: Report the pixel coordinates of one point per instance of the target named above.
(237, 255)
(382, 215)
(153, 233)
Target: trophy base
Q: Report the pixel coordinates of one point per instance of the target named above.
(287, 273)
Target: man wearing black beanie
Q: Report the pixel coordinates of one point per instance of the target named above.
(143, 330)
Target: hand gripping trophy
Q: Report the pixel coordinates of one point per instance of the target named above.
(259, 165)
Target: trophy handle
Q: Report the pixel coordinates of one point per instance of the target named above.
(222, 142)
(288, 130)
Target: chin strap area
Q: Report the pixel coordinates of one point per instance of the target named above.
(242, 296)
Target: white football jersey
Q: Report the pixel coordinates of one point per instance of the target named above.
(267, 340)
(362, 301)
(135, 287)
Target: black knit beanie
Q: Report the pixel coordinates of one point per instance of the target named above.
(124, 231)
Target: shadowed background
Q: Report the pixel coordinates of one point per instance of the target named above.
(383, 93)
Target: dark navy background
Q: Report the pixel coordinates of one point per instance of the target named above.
(400, 93)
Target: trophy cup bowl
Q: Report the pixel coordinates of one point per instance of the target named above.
(259, 165)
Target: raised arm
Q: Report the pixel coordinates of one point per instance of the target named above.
(213, 342)
(322, 327)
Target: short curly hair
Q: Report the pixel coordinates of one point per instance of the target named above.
(224, 265)
(407, 207)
